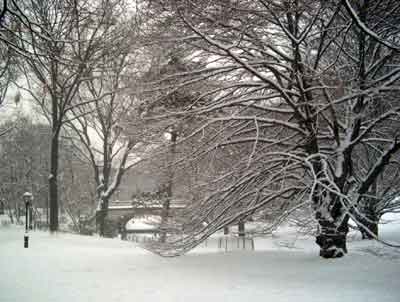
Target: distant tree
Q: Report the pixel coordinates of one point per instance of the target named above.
(23, 161)
(77, 197)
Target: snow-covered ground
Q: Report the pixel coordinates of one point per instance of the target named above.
(69, 268)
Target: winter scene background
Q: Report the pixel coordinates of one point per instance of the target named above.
(177, 150)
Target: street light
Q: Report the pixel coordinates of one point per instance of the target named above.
(28, 203)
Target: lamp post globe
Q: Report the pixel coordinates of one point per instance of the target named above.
(27, 197)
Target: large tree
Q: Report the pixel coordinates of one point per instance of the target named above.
(292, 107)
(67, 41)
(368, 62)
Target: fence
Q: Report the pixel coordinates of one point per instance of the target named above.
(223, 243)
(140, 238)
(232, 243)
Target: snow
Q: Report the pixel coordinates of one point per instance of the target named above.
(120, 207)
(368, 31)
(145, 223)
(4, 221)
(284, 267)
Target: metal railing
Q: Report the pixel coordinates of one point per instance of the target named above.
(231, 243)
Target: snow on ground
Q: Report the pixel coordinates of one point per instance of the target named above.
(70, 268)
(4, 220)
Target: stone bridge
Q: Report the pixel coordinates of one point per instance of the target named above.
(120, 212)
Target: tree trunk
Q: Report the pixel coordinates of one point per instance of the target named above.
(47, 212)
(10, 214)
(368, 224)
(17, 214)
(102, 218)
(331, 238)
(241, 229)
(164, 219)
(53, 186)
(372, 227)
(226, 230)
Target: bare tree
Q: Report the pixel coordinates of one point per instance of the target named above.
(366, 63)
(167, 130)
(291, 107)
(76, 189)
(24, 163)
(98, 126)
(7, 57)
(69, 41)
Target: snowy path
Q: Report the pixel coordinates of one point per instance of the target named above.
(68, 268)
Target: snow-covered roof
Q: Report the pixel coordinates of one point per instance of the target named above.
(120, 205)
(143, 223)
(117, 203)
(117, 207)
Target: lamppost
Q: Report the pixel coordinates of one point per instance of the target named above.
(28, 203)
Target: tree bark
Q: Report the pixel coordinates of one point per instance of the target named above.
(332, 233)
(332, 241)
(226, 230)
(164, 219)
(372, 227)
(53, 185)
(368, 223)
(107, 190)
(10, 214)
(102, 219)
(241, 229)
